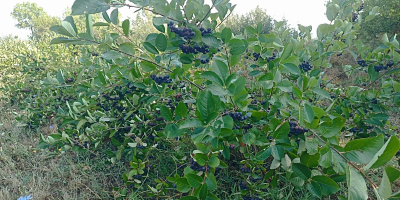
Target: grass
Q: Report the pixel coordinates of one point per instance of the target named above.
(24, 170)
(47, 175)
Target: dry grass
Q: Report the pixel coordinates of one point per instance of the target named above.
(24, 170)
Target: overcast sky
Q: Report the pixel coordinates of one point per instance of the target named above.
(305, 12)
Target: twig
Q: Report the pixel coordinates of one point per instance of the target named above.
(205, 16)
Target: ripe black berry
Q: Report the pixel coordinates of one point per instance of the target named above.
(362, 63)
(186, 33)
(205, 31)
(306, 66)
(160, 80)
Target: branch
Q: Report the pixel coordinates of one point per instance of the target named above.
(223, 20)
(213, 2)
(143, 59)
(132, 6)
(348, 161)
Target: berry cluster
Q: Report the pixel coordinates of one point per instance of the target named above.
(247, 127)
(295, 129)
(204, 49)
(362, 63)
(306, 66)
(161, 79)
(354, 17)
(238, 116)
(390, 64)
(204, 60)
(196, 167)
(186, 33)
(256, 56)
(374, 101)
(251, 198)
(379, 68)
(205, 31)
(361, 7)
(355, 130)
(245, 169)
(243, 186)
(271, 58)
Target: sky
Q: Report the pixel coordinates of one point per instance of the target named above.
(305, 12)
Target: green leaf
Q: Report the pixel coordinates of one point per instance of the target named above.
(89, 25)
(110, 55)
(181, 110)
(203, 192)
(127, 48)
(309, 113)
(287, 52)
(249, 138)
(363, 150)
(81, 7)
(315, 189)
(60, 77)
(101, 24)
(385, 190)
(328, 186)
(357, 188)
(62, 40)
(194, 180)
(166, 113)
(115, 142)
(211, 41)
(182, 185)
(301, 170)
(392, 173)
(226, 35)
(115, 17)
(201, 159)
(330, 129)
(237, 46)
(212, 76)
(326, 28)
(126, 27)
(263, 155)
(147, 66)
(292, 68)
(150, 48)
(191, 123)
(312, 145)
(321, 92)
(385, 154)
(68, 30)
(161, 42)
(221, 69)
(207, 106)
(102, 78)
(214, 161)
(282, 132)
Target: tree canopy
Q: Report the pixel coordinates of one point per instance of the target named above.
(31, 16)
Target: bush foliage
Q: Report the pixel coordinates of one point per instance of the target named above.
(259, 103)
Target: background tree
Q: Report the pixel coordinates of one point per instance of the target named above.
(238, 23)
(31, 16)
(142, 25)
(387, 22)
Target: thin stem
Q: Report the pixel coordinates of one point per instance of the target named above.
(223, 20)
(205, 16)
